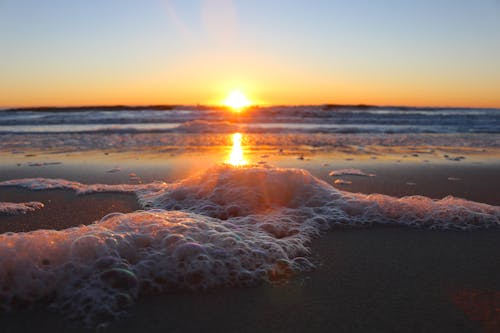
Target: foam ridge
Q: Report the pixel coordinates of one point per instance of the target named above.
(226, 226)
(16, 208)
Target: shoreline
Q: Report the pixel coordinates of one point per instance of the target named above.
(395, 174)
(380, 278)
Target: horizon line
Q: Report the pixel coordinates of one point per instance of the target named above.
(220, 106)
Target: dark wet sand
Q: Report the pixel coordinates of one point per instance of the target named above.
(474, 179)
(377, 280)
(62, 208)
(476, 182)
(369, 280)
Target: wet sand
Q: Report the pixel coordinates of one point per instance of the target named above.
(474, 178)
(366, 280)
(62, 209)
(371, 280)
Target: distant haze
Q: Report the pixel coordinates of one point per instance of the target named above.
(387, 52)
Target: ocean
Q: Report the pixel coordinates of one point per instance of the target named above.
(306, 119)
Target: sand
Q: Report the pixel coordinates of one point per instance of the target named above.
(369, 280)
(372, 280)
(62, 209)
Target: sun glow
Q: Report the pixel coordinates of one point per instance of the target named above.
(236, 157)
(237, 101)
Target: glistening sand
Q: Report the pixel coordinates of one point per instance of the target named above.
(379, 279)
(226, 248)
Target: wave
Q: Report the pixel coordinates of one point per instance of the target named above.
(313, 118)
(227, 226)
(208, 127)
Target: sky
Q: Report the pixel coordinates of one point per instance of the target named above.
(385, 52)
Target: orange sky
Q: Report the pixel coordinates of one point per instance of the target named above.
(175, 52)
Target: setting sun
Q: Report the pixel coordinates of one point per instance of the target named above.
(237, 101)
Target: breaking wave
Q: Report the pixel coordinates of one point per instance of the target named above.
(227, 226)
(273, 119)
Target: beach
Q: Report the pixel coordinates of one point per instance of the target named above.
(250, 166)
(250, 225)
(356, 288)
(375, 280)
(370, 278)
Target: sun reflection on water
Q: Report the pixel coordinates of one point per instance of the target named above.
(236, 157)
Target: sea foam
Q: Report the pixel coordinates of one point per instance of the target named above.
(226, 226)
(350, 172)
(15, 208)
(36, 184)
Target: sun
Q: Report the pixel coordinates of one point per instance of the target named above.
(237, 101)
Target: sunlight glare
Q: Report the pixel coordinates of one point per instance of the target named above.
(236, 156)
(237, 101)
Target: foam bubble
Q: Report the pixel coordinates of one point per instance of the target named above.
(39, 164)
(79, 188)
(205, 126)
(227, 226)
(226, 192)
(93, 273)
(349, 172)
(342, 182)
